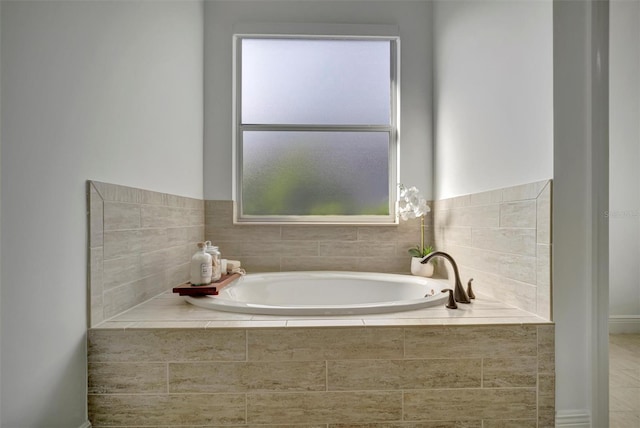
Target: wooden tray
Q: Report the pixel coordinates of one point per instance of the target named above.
(212, 289)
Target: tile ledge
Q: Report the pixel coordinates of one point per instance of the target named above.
(152, 314)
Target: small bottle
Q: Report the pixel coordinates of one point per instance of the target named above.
(212, 250)
(201, 266)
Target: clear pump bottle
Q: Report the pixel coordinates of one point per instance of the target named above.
(213, 251)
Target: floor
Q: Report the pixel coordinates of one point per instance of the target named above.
(624, 380)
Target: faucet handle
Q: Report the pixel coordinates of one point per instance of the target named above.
(469, 290)
(451, 304)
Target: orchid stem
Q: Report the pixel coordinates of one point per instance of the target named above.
(422, 234)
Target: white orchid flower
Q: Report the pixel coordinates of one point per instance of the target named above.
(412, 205)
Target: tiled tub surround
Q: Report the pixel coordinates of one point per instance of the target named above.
(276, 248)
(502, 239)
(273, 373)
(140, 244)
(165, 363)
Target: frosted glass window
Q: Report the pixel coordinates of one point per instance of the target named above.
(316, 129)
(316, 81)
(315, 173)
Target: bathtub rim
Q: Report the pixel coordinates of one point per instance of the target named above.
(226, 305)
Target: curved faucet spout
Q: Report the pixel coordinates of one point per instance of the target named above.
(458, 292)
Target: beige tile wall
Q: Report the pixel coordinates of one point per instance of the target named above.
(502, 239)
(274, 248)
(140, 244)
(456, 376)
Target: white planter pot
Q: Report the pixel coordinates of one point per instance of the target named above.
(419, 269)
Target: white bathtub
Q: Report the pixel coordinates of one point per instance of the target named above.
(325, 293)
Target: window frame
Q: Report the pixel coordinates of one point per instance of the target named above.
(393, 130)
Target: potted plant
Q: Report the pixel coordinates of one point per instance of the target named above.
(418, 253)
(412, 205)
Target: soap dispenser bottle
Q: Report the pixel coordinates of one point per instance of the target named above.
(201, 268)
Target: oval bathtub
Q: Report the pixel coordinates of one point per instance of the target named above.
(325, 293)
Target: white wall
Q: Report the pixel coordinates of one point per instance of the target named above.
(411, 17)
(493, 93)
(624, 185)
(110, 91)
(0, 218)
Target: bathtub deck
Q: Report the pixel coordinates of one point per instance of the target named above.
(169, 310)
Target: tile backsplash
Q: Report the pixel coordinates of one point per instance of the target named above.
(274, 248)
(502, 239)
(140, 244)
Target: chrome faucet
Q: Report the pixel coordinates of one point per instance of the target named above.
(458, 292)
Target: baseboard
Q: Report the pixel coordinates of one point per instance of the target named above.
(624, 324)
(87, 424)
(573, 419)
